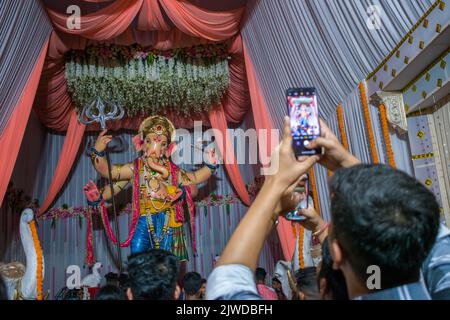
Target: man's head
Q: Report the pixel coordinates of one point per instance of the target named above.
(276, 284)
(192, 283)
(153, 276)
(331, 282)
(110, 292)
(260, 275)
(383, 217)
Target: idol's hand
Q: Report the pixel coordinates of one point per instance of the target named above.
(102, 141)
(91, 191)
(335, 154)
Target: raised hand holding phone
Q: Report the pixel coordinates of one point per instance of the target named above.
(304, 119)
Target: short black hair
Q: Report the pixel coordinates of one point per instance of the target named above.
(336, 285)
(204, 280)
(153, 275)
(192, 282)
(110, 292)
(260, 274)
(276, 280)
(381, 216)
(307, 283)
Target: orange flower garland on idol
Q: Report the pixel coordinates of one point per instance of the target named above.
(387, 137)
(39, 268)
(373, 149)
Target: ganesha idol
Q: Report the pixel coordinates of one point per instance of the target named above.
(161, 190)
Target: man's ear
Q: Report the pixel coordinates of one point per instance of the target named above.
(336, 254)
(129, 294)
(172, 147)
(177, 292)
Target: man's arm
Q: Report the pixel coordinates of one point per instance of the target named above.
(247, 241)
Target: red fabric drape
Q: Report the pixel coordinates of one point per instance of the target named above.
(151, 17)
(12, 136)
(262, 121)
(198, 22)
(104, 24)
(53, 104)
(68, 154)
(218, 122)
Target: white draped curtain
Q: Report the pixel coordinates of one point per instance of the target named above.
(24, 28)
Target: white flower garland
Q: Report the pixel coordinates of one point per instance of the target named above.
(149, 87)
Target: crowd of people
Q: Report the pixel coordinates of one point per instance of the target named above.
(384, 241)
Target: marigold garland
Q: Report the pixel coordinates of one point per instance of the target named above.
(301, 260)
(39, 259)
(312, 178)
(387, 137)
(373, 149)
(340, 118)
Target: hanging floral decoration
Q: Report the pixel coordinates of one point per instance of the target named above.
(387, 137)
(340, 118)
(301, 236)
(365, 105)
(39, 267)
(148, 81)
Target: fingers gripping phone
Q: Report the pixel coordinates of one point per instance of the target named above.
(302, 188)
(304, 117)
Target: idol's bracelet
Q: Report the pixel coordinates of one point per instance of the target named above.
(96, 202)
(95, 153)
(212, 167)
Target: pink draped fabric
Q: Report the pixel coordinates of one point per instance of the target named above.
(151, 17)
(198, 22)
(218, 122)
(262, 121)
(106, 23)
(12, 136)
(68, 154)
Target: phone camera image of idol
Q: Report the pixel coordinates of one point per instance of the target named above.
(304, 118)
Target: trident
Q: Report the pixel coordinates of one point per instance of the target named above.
(101, 117)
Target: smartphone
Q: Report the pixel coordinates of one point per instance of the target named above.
(303, 204)
(304, 116)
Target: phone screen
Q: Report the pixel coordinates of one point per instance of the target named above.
(304, 117)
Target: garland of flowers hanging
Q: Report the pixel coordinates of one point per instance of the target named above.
(301, 236)
(65, 211)
(373, 149)
(387, 137)
(39, 260)
(148, 81)
(340, 118)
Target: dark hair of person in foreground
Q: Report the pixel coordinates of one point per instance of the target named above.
(153, 275)
(111, 292)
(382, 216)
(331, 282)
